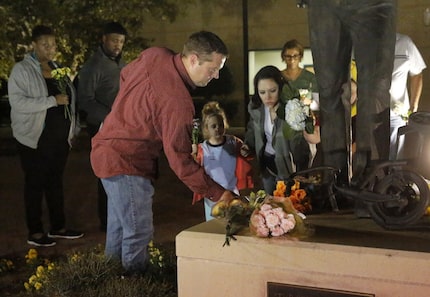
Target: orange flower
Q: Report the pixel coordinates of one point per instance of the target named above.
(280, 185)
(299, 193)
(280, 189)
(277, 193)
(294, 200)
(296, 185)
(298, 197)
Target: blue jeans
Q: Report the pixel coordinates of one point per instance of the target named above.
(208, 209)
(130, 220)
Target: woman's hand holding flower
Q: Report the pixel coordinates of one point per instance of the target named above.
(62, 99)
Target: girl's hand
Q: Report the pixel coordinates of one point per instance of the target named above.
(194, 151)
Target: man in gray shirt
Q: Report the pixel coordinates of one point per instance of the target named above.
(98, 86)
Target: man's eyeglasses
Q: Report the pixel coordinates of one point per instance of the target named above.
(293, 57)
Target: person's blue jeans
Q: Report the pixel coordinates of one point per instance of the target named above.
(130, 220)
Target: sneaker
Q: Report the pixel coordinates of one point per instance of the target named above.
(41, 241)
(66, 234)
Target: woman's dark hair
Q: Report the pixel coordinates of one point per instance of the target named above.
(292, 44)
(267, 72)
(41, 30)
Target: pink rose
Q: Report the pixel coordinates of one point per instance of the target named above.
(288, 223)
(272, 220)
(262, 231)
(257, 220)
(265, 208)
(277, 231)
(279, 212)
(259, 223)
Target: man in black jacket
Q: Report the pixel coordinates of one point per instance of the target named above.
(97, 88)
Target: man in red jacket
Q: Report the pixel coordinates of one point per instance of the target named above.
(153, 111)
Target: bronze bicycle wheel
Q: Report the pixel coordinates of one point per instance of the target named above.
(413, 192)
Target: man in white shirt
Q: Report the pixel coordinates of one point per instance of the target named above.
(408, 63)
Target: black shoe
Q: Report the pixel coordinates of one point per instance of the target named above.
(66, 234)
(43, 240)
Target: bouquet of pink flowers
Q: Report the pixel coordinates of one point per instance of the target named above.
(276, 216)
(265, 215)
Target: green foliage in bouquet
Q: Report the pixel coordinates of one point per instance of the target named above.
(309, 125)
(237, 213)
(195, 132)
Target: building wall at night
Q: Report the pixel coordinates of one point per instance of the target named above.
(270, 24)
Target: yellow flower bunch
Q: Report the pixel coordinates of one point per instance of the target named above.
(155, 255)
(36, 281)
(31, 256)
(6, 265)
(61, 75)
(75, 258)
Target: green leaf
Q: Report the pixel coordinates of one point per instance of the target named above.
(309, 125)
(288, 93)
(288, 132)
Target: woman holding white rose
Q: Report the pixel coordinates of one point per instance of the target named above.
(264, 134)
(304, 81)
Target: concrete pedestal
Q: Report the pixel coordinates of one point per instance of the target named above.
(207, 269)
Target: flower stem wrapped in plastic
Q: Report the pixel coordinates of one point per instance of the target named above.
(195, 134)
(195, 137)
